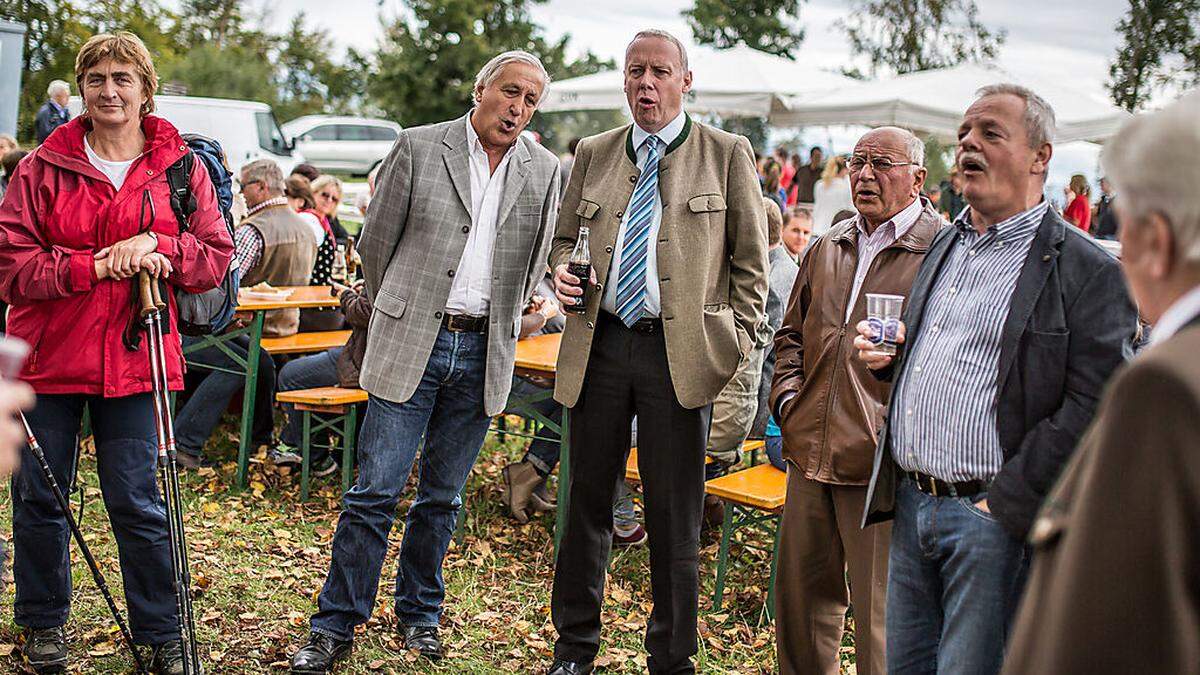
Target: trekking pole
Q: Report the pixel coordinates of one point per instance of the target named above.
(65, 507)
(152, 309)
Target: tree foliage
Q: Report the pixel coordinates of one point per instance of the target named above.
(766, 25)
(425, 67)
(904, 36)
(1160, 49)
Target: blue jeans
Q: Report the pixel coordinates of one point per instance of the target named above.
(318, 370)
(774, 448)
(543, 452)
(126, 459)
(202, 412)
(447, 412)
(955, 576)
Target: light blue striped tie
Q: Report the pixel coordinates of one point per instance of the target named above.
(631, 282)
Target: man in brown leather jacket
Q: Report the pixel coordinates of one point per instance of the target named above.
(830, 408)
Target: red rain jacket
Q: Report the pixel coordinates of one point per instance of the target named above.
(58, 211)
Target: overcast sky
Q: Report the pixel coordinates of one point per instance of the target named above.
(1075, 38)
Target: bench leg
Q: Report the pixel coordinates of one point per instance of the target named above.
(723, 557)
(348, 444)
(774, 568)
(305, 452)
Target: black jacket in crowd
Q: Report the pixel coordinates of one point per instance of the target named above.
(1070, 324)
(47, 120)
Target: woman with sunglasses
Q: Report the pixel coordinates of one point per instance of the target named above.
(88, 211)
(327, 192)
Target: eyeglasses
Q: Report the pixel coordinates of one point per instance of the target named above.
(242, 186)
(330, 197)
(878, 164)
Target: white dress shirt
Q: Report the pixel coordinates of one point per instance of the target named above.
(471, 290)
(653, 305)
(869, 245)
(1177, 316)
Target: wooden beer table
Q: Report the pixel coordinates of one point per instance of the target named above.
(538, 357)
(300, 297)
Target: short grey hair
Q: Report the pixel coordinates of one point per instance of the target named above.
(1039, 116)
(491, 70)
(267, 171)
(58, 87)
(914, 148)
(662, 35)
(1154, 162)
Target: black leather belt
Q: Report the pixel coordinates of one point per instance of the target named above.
(464, 323)
(646, 326)
(941, 488)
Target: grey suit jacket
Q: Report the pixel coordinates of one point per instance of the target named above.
(414, 236)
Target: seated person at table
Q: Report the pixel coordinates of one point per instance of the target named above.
(300, 198)
(273, 245)
(525, 482)
(335, 367)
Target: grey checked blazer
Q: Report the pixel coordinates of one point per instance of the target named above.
(414, 236)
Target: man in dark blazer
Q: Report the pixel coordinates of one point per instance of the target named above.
(453, 245)
(1116, 547)
(1014, 324)
(679, 253)
(53, 113)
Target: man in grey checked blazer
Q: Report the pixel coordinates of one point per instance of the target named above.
(454, 242)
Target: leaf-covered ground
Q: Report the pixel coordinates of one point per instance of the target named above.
(259, 557)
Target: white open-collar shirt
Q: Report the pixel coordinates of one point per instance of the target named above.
(471, 290)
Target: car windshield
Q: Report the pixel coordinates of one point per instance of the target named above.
(270, 138)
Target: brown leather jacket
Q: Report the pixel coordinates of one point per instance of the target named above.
(830, 426)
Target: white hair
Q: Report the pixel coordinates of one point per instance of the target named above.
(914, 148)
(1039, 116)
(1154, 163)
(58, 87)
(662, 35)
(267, 171)
(491, 70)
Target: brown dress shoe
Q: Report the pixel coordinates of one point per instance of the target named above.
(520, 482)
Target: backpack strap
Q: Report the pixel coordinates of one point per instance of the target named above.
(179, 176)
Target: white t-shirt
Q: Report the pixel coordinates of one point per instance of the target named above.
(314, 224)
(114, 170)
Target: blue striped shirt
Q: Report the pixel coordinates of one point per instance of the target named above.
(943, 421)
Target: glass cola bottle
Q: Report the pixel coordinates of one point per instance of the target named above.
(580, 265)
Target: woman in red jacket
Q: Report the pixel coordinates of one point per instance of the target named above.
(1079, 211)
(88, 211)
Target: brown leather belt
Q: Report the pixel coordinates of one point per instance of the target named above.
(941, 488)
(646, 326)
(464, 323)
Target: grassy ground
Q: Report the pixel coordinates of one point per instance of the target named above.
(260, 557)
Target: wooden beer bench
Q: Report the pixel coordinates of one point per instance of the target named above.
(753, 498)
(633, 475)
(338, 407)
(305, 343)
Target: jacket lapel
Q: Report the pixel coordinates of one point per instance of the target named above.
(1043, 253)
(923, 284)
(455, 156)
(514, 182)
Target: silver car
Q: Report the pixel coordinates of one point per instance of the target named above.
(344, 144)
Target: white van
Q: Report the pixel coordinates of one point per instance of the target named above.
(246, 130)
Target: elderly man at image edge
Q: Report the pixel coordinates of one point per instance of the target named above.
(829, 431)
(453, 245)
(678, 246)
(1016, 322)
(1116, 547)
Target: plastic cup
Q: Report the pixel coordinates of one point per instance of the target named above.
(883, 314)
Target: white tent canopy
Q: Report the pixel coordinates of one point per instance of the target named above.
(933, 101)
(738, 82)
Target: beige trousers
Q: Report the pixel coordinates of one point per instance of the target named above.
(820, 539)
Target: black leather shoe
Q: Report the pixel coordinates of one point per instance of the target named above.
(424, 640)
(168, 658)
(319, 654)
(46, 649)
(569, 668)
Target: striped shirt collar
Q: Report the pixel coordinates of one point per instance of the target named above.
(1014, 227)
(902, 221)
(666, 135)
